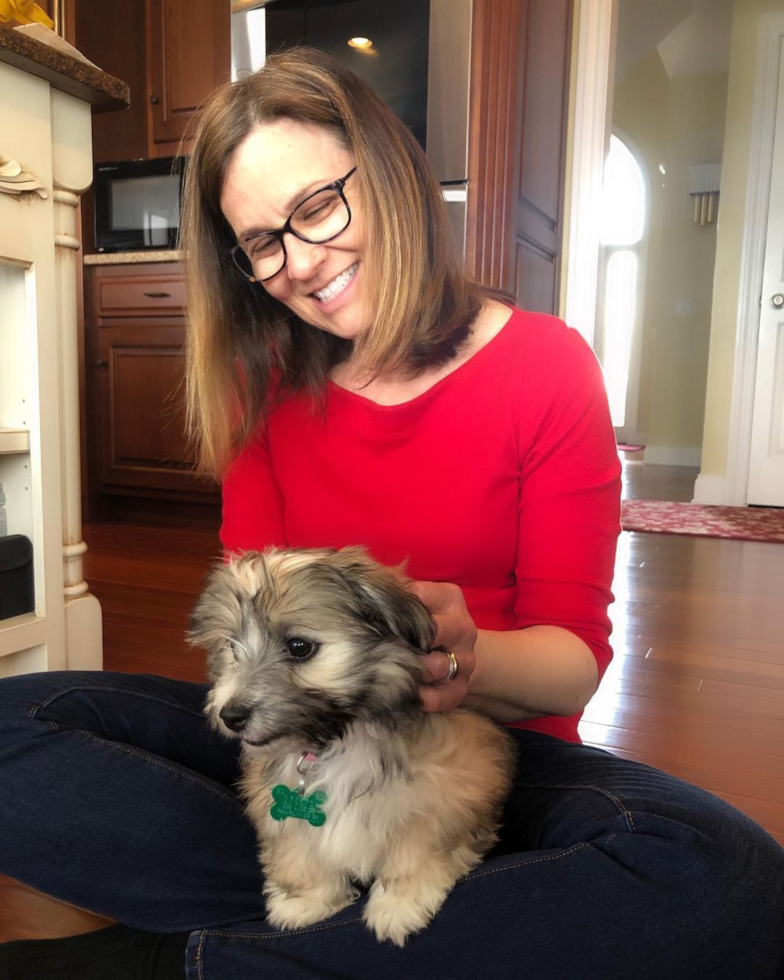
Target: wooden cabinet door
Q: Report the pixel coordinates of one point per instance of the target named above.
(189, 44)
(545, 47)
(140, 374)
(516, 162)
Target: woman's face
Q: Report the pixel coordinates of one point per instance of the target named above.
(271, 172)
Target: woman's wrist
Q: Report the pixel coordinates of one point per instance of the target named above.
(530, 673)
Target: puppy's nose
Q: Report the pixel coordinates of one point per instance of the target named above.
(235, 716)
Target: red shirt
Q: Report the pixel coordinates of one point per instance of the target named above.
(503, 478)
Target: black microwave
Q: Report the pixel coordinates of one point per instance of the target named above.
(137, 204)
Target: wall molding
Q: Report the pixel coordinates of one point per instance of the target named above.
(710, 490)
(770, 39)
(673, 455)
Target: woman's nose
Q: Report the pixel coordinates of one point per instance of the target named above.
(303, 259)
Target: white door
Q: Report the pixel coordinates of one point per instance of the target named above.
(766, 463)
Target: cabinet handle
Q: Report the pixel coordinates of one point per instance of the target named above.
(154, 99)
(102, 364)
(158, 295)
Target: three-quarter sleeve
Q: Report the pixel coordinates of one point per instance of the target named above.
(569, 504)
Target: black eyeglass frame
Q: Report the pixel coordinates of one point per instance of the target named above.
(336, 185)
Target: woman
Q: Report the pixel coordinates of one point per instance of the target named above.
(352, 387)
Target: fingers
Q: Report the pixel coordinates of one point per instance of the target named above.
(436, 692)
(443, 697)
(456, 630)
(435, 667)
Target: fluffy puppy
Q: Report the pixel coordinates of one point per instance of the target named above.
(314, 661)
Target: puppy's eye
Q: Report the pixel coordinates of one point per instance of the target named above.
(300, 648)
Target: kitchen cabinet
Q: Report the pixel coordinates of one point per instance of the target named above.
(188, 57)
(173, 53)
(135, 337)
(45, 147)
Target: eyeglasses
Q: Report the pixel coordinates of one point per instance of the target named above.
(322, 216)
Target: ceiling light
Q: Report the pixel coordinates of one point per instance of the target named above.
(363, 43)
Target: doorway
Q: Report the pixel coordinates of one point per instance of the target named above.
(669, 99)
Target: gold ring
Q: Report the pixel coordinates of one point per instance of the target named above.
(454, 666)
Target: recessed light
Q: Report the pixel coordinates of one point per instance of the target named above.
(363, 43)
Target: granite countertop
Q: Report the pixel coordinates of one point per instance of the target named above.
(103, 92)
(134, 258)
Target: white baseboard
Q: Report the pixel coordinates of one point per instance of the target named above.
(673, 455)
(709, 490)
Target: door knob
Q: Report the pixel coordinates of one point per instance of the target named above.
(102, 364)
(777, 301)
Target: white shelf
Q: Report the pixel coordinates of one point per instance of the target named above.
(21, 633)
(14, 441)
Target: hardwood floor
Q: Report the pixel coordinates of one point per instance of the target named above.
(696, 687)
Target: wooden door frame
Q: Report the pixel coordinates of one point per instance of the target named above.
(493, 113)
(592, 112)
(733, 488)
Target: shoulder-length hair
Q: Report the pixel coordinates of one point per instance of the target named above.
(240, 337)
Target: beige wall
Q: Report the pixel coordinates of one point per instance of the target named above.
(745, 29)
(640, 105)
(679, 123)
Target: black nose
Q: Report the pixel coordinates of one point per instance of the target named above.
(235, 716)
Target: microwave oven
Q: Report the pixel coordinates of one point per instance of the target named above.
(137, 204)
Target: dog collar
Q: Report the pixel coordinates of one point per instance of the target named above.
(293, 802)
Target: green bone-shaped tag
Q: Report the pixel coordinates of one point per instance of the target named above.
(288, 803)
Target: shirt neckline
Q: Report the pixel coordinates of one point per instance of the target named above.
(452, 378)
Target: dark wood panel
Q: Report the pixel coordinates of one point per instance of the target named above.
(152, 377)
(141, 407)
(142, 294)
(545, 76)
(535, 278)
(545, 51)
(190, 55)
(112, 36)
(495, 56)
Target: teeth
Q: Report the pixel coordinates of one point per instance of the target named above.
(337, 285)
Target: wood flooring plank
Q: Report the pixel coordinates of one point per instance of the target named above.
(700, 726)
(751, 692)
(681, 748)
(673, 692)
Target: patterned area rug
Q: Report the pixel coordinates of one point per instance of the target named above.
(744, 523)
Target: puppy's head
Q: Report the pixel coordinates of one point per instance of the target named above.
(302, 643)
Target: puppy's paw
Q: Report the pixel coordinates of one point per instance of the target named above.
(286, 910)
(395, 912)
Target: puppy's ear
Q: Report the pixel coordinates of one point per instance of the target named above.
(217, 610)
(384, 600)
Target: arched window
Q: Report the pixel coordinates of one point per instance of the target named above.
(623, 225)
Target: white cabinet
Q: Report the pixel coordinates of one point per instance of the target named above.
(48, 132)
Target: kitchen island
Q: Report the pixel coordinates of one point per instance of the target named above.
(46, 101)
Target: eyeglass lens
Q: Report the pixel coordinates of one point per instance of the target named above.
(317, 220)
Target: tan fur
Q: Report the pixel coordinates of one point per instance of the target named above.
(412, 802)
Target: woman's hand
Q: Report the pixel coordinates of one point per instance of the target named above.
(456, 633)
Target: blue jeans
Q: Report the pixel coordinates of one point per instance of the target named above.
(116, 796)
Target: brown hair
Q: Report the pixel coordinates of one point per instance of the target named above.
(238, 335)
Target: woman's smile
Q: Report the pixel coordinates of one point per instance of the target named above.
(275, 169)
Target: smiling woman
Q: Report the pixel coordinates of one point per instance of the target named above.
(390, 283)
